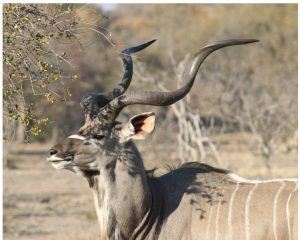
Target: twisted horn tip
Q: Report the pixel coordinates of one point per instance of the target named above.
(137, 48)
(230, 42)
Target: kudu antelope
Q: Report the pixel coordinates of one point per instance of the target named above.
(195, 201)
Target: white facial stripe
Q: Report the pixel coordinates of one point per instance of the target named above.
(77, 137)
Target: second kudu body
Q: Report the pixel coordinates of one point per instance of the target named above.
(195, 201)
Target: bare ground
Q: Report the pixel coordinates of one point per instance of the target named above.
(43, 203)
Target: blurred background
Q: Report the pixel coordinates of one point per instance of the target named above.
(240, 115)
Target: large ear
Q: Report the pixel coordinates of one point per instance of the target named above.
(139, 126)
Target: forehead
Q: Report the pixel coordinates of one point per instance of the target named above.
(80, 137)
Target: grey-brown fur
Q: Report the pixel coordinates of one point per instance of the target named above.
(195, 201)
(177, 205)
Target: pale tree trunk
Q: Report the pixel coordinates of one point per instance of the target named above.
(9, 132)
(54, 135)
(20, 133)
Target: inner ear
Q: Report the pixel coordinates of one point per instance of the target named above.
(142, 125)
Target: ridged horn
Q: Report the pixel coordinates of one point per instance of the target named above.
(109, 112)
(93, 102)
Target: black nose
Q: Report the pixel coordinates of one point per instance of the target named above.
(52, 152)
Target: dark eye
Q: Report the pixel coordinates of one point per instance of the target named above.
(98, 136)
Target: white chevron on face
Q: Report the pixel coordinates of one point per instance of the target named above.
(77, 137)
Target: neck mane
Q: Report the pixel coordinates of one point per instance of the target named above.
(122, 195)
(105, 215)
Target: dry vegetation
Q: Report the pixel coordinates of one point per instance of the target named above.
(241, 113)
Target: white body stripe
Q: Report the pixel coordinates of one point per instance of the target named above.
(208, 223)
(247, 208)
(217, 217)
(230, 210)
(244, 180)
(77, 137)
(274, 209)
(288, 211)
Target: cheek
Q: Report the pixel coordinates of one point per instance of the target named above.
(84, 159)
(88, 149)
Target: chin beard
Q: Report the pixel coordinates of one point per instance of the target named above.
(91, 176)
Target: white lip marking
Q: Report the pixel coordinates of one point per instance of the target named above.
(77, 137)
(60, 165)
(54, 158)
